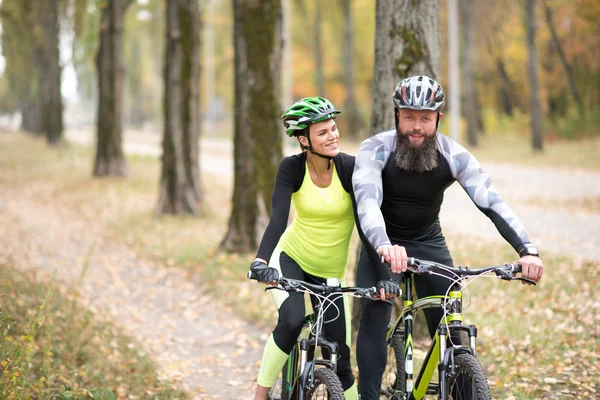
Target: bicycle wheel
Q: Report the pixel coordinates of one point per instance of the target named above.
(470, 381)
(393, 384)
(327, 386)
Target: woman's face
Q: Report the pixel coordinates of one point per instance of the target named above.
(324, 137)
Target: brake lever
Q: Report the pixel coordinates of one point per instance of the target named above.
(505, 275)
(519, 278)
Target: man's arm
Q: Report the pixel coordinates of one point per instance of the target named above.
(371, 158)
(477, 183)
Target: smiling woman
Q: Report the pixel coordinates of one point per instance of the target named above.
(316, 244)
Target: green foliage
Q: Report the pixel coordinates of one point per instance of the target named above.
(574, 126)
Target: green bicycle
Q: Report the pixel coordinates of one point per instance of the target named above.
(460, 375)
(306, 375)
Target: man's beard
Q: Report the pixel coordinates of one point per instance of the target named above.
(416, 158)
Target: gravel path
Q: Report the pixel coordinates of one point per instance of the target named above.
(200, 346)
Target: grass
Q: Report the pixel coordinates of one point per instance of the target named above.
(52, 348)
(540, 342)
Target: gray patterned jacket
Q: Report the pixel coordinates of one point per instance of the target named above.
(411, 201)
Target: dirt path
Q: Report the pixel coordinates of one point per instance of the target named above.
(200, 346)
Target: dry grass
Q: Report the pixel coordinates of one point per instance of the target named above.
(50, 347)
(540, 342)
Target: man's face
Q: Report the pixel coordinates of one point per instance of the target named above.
(417, 124)
(416, 148)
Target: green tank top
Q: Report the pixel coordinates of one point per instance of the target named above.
(318, 238)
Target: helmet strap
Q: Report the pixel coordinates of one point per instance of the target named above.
(309, 148)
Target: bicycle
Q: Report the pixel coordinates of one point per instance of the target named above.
(460, 375)
(305, 376)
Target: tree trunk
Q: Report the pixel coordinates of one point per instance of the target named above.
(407, 42)
(50, 96)
(352, 121)
(468, 76)
(319, 74)
(180, 190)
(563, 59)
(31, 116)
(506, 90)
(534, 95)
(109, 152)
(257, 141)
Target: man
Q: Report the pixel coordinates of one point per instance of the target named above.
(399, 181)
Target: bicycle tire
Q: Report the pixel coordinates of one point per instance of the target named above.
(393, 383)
(467, 366)
(327, 385)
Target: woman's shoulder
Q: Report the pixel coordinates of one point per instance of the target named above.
(293, 160)
(345, 160)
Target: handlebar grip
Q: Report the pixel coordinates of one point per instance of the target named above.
(516, 267)
(411, 262)
(251, 275)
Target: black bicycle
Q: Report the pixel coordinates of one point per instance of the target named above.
(306, 376)
(460, 375)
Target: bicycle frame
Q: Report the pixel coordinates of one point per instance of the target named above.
(300, 371)
(438, 349)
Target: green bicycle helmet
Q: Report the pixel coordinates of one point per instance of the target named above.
(306, 112)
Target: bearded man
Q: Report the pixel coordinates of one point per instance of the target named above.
(399, 181)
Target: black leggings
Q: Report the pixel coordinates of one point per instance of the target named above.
(291, 319)
(371, 351)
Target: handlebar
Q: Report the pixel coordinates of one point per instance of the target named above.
(505, 272)
(332, 286)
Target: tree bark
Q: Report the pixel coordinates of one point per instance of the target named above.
(319, 74)
(468, 76)
(563, 59)
(180, 190)
(534, 95)
(407, 42)
(110, 160)
(49, 62)
(352, 121)
(257, 141)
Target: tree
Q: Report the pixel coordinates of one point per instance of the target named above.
(110, 160)
(534, 90)
(257, 133)
(407, 42)
(563, 59)
(180, 190)
(21, 76)
(30, 45)
(49, 71)
(352, 118)
(468, 76)
(319, 75)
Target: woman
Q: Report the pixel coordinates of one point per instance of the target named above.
(316, 244)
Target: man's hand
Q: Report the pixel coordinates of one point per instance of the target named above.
(388, 289)
(264, 273)
(394, 255)
(532, 267)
